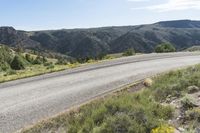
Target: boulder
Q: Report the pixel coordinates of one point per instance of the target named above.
(148, 82)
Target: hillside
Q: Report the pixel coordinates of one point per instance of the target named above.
(94, 42)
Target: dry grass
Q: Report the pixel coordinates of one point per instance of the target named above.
(29, 72)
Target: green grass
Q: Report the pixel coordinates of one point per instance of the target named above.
(175, 83)
(125, 112)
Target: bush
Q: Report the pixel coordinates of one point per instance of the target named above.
(6, 57)
(165, 48)
(62, 61)
(18, 63)
(129, 52)
(38, 60)
(4, 66)
(50, 66)
(29, 58)
(194, 115)
(187, 103)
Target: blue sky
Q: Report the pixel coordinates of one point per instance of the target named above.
(57, 14)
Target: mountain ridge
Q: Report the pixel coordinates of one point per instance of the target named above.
(93, 42)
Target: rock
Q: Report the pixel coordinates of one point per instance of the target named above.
(148, 82)
(193, 89)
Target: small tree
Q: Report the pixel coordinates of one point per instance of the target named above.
(44, 59)
(29, 58)
(165, 48)
(61, 61)
(129, 52)
(18, 63)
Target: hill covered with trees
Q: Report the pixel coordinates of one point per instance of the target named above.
(95, 42)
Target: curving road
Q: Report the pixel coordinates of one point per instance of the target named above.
(24, 102)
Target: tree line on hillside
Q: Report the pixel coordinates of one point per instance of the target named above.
(160, 48)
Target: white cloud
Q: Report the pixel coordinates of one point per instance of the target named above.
(172, 5)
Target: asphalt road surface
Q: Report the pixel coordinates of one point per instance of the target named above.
(27, 101)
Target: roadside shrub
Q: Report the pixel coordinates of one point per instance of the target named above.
(51, 66)
(38, 60)
(4, 66)
(61, 61)
(44, 59)
(29, 58)
(187, 103)
(48, 64)
(18, 63)
(6, 57)
(165, 48)
(194, 115)
(119, 123)
(129, 52)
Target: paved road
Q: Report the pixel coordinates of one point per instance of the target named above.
(27, 101)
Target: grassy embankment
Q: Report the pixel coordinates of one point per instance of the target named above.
(30, 68)
(34, 70)
(151, 110)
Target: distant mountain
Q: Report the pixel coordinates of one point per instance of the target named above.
(12, 37)
(179, 24)
(93, 42)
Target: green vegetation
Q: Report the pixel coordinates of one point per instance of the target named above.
(5, 58)
(124, 113)
(145, 111)
(16, 65)
(165, 48)
(176, 83)
(19, 63)
(129, 52)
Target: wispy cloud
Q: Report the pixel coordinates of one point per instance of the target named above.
(173, 5)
